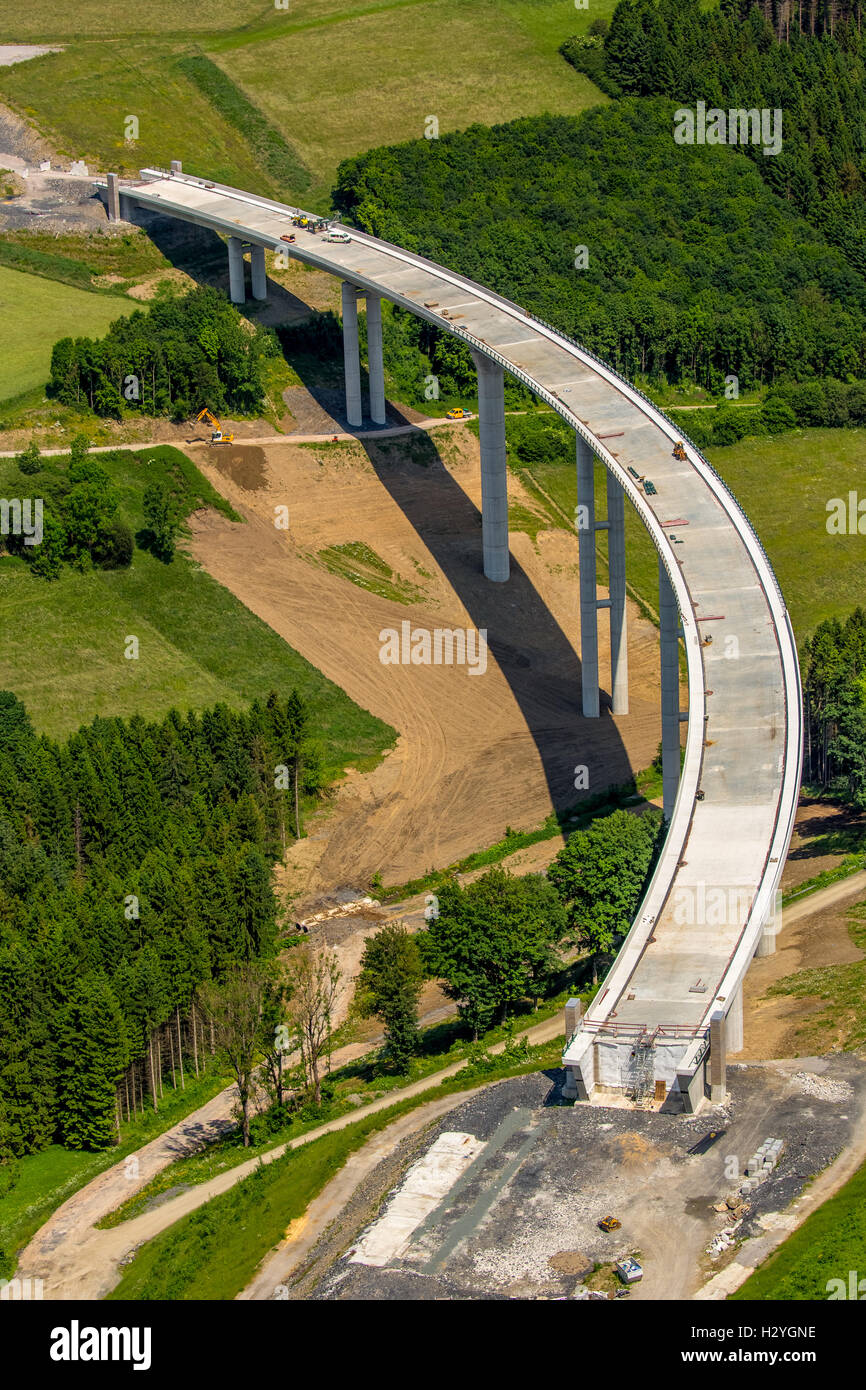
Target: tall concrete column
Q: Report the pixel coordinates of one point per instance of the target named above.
(772, 926)
(588, 581)
(113, 199)
(237, 288)
(375, 364)
(717, 1060)
(616, 587)
(669, 619)
(351, 356)
(734, 1023)
(494, 469)
(260, 276)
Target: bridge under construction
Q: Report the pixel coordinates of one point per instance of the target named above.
(671, 1005)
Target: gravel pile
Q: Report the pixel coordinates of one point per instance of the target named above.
(821, 1087)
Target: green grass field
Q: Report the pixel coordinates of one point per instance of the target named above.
(36, 312)
(829, 1244)
(64, 641)
(783, 483)
(331, 77)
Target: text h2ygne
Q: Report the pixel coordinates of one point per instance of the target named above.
(22, 516)
(734, 127)
(444, 646)
(77, 1343)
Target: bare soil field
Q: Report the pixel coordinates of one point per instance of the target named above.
(475, 752)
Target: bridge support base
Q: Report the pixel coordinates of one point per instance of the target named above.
(351, 356)
(259, 273)
(375, 364)
(494, 469)
(237, 287)
(718, 1059)
(616, 589)
(670, 684)
(588, 581)
(112, 198)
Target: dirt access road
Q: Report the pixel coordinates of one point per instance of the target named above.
(475, 752)
(76, 1261)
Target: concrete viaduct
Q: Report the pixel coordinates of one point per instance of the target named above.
(671, 1005)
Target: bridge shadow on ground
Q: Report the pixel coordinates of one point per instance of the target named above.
(533, 652)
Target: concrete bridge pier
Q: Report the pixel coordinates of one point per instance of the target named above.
(670, 685)
(586, 527)
(237, 287)
(375, 363)
(259, 273)
(113, 198)
(734, 1023)
(351, 356)
(494, 468)
(616, 588)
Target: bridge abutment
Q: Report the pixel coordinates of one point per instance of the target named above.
(494, 468)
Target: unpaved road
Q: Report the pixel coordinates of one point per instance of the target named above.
(77, 1261)
(835, 893)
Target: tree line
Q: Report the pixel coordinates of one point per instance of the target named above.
(834, 671)
(499, 941)
(135, 867)
(804, 57)
(80, 519)
(184, 352)
(673, 262)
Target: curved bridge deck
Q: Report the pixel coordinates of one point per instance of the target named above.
(743, 747)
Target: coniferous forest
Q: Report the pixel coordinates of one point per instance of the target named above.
(135, 864)
(834, 670)
(699, 260)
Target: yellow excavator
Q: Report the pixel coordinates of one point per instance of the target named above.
(219, 436)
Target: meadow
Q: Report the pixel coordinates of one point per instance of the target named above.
(330, 77)
(35, 312)
(783, 482)
(64, 641)
(829, 1244)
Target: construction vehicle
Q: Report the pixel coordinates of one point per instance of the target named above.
(609, 1223)
(301, 221)
(219, 435)
(680, 451)
(458, 413)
